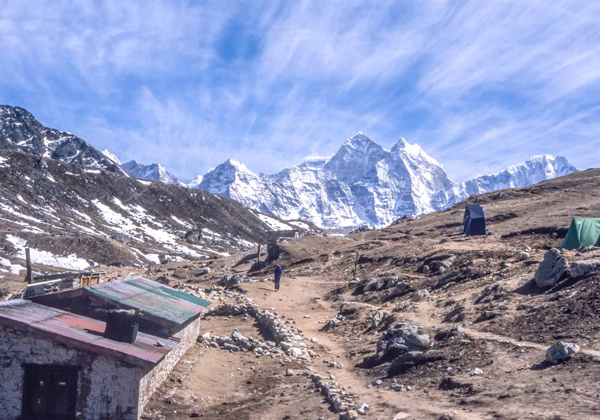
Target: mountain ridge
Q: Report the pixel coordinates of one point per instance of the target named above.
(20, 130)
(365, 183)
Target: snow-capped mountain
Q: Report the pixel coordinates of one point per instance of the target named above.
(534, 170)
(365, 183)
(19, 130)
(152, 172)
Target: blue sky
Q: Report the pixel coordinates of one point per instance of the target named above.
(479, 85)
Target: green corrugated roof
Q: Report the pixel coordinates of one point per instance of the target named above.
(151, 298)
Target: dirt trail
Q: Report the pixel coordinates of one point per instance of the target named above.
(302, 296)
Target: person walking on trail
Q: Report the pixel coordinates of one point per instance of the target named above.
(278, 272)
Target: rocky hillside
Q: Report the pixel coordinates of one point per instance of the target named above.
(363, 183)
(19, 130)
(74, 217)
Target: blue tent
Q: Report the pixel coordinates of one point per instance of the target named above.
(474, 220)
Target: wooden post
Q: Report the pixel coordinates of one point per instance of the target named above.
(28, 265)
(259, 246)
(355, 265)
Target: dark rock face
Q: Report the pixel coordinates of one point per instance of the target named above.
(19, 130)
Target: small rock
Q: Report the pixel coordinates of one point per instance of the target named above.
(419, 295)
(362, 409)
(289, 372)
(349, 415)
(231, 347)
(522, 256)
(376, 320)
(477, 372)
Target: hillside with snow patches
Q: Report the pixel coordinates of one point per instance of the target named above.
(75, 217)
(363, 183)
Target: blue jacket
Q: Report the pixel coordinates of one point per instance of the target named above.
(278, 272)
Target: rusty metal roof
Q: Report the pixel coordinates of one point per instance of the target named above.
(81, 333)
(162, 304)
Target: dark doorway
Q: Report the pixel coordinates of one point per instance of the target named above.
(49, 392)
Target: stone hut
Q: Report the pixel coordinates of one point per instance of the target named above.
(61, 364)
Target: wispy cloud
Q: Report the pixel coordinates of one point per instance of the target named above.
(480, 85)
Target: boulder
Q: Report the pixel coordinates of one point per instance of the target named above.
(552, 269)
(403, 338)
(399, 290)
(561, 351)
(230, 281)
(371, 285)
(581, 268)
(445, 264)
(391, 282)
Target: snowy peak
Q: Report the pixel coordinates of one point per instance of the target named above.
(534, 170)
(196, 182)
(152, 172)
(19, 130)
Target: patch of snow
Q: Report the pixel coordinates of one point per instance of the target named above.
(82, 215)
(50, 177)
(92, 171)
(182, 223)
(144, 182)
(152, 258)
(47, 258)
(300, 225)
(13, 268)
(273, 223)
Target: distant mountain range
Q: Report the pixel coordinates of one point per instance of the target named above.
(363, 183)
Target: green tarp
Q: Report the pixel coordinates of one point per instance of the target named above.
(583, 232)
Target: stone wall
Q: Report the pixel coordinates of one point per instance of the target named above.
(106, 389)
(153, 379)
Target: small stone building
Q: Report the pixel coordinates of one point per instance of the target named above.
(57, 364)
